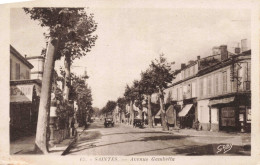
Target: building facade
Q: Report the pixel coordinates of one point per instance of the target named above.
(20, 68)
(24, 95)
(38, 63)
(214, 92)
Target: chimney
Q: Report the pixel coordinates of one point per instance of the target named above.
(215, 50)
(198, 57)
(243, 45)
(183, 66)
(237, 50)
(25, 56)
(223, 52)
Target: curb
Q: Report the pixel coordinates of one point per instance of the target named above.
(72, 142)
(177, 132)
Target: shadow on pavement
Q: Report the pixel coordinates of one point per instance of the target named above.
(88, 136)
(165, 137)
(145, 139)
(213, 149)
(119, 133)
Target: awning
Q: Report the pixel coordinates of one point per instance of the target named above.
(185, 110)
(158, 115)
(127, 115)
(21, 93)
(221, 101)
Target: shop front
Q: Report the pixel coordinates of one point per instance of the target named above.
(234, 113)
(187, 115)
(24, 105)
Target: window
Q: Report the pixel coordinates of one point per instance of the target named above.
(188, 72)
(27, 74)
(216, 84)
(11, 65)
(249, 71)
(17, 71)
(193, 68)
(201, 87)
(209, 85)
(224, 81)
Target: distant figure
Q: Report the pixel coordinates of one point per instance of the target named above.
(72, 126)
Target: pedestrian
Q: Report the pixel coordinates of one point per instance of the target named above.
(72, 126)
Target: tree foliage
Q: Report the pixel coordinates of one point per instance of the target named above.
(73, 27)
(109, 107)
(161, 74)
(129, 93)
(147, 82)
(81, 93)
(121, 102)
(138, 94)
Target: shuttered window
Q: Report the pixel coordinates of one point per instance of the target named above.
(201, 87)
(224, 82)
(216, 84)
(11, 65)
(17, 71)
(27, 74)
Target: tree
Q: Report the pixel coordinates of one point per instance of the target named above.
(161, 76)
(77, 43)
(138, 95)
(110, 106)
(65, 28)
(130, 97)
(81, 93)
(148, 88)
(121, 102)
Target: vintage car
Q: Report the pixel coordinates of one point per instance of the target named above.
(138, 123)
(109, 122)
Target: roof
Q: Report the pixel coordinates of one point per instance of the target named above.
(20, 57)
(216, 65)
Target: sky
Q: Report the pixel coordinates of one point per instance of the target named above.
(130, 38)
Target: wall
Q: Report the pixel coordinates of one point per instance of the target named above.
(214, 119)
(37, 71)
(203, 114)
(23, 69)
(217, 77)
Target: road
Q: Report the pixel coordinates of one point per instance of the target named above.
(124, 140)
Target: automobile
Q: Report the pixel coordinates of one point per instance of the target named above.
(92, 119)
(109, 122)
(138, 123)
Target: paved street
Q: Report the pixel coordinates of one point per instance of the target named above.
(126, 141)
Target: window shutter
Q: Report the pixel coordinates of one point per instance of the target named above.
(17, 73)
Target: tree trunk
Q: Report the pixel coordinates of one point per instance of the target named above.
(131, 113)
(120, 116)
(153, 120)
(67, 63)
(44, 107)
(162, 109)
(149, 111)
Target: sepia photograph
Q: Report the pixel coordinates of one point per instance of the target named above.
(142, 82)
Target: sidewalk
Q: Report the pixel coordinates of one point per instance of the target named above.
(25, 145)
(193, 132)
(230, 137)
(22, 145)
